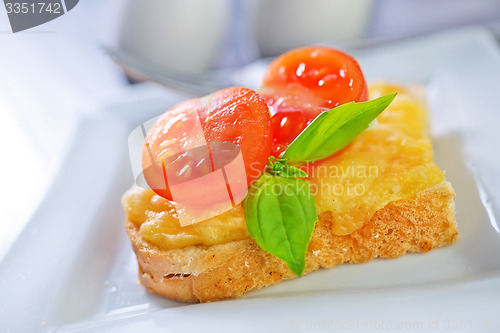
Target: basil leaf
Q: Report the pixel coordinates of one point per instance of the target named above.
(291, 171)
(334, 129)
(280, 214)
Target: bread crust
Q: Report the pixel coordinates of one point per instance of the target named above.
(208, 273)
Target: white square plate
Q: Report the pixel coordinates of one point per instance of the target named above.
(72, 268)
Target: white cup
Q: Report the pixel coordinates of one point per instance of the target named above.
(180, 35)
(282, 25)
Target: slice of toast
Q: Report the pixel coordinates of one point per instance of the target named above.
(415, 219)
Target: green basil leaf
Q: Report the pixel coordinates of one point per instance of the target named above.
(280, 214)
(334, 129)
(291, 171)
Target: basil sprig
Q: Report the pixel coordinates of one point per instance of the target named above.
(279, 167)
(334, 129)
(280, 210)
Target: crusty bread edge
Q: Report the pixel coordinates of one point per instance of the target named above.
(208, 273)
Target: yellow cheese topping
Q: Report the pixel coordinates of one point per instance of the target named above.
(392, 160)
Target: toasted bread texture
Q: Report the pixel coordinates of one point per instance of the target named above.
(209, 273)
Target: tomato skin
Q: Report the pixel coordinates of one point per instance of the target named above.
(313, 80)
(240, 115)
(287, 125)
(182, 141)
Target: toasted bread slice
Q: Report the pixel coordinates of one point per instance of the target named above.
(415, 220)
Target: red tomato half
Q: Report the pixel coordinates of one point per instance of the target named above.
(308, 80)
(199, 136)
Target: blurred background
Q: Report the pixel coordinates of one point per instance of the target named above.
(54, 73)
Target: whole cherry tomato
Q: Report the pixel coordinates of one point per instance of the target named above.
(304, 82)
(199, 136)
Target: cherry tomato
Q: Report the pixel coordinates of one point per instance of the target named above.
(288, 123)
(199, 136)
(309, 80)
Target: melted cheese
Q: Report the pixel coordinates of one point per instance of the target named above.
(390, 161)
